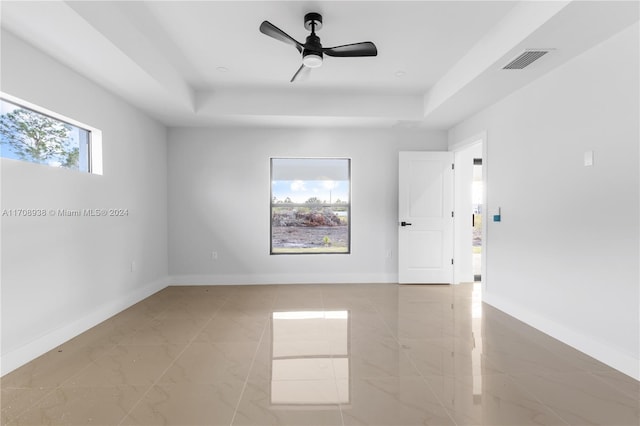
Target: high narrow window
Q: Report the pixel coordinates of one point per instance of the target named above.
(310, 205)
(29, 133)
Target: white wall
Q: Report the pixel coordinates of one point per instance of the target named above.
(565, 256)
(62, 275)
(219, 201)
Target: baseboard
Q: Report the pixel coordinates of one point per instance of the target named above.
(620, 361)
(53, 338)
(257, 279)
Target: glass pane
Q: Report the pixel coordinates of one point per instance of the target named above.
(310, 208)
(30, 136)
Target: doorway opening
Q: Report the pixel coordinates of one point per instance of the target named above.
(470, 200)
(477, 217)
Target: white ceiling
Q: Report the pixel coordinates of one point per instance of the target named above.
(165, 56)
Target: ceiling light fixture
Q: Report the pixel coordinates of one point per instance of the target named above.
(312, 60)
(222, 69)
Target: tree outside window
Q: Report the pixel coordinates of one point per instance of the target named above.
(30, 136)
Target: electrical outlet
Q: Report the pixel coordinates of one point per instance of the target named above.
(214, 255)
(588, 158)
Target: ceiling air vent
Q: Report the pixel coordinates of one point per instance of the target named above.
(525, 59)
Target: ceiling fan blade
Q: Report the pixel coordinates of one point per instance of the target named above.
(272, 31)
(302, 74)
(366, 48)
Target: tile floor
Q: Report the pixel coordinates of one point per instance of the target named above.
(317, 355)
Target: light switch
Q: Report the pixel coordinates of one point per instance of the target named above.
(498, 216)
(588, 158)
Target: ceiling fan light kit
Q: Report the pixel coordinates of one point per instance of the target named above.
(312, 60)
(312, 51)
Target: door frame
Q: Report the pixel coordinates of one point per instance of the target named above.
(460, 146)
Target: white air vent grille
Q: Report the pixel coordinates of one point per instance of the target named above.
(525, 59)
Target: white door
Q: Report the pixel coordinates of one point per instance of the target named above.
(425, 229)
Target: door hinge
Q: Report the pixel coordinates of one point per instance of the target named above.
(451, 214)
(452, 261)
(453, 166)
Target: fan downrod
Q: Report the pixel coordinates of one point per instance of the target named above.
(313, 21)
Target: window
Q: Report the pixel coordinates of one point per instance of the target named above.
(310, 205)
(30, 133)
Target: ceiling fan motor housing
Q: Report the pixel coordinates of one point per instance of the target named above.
(313, 21)
(312, 53)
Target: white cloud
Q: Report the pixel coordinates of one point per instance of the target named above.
(330, 184)
(297, 185)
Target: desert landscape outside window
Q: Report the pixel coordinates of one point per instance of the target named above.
(310, 205)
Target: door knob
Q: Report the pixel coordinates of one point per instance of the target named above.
(403, 223)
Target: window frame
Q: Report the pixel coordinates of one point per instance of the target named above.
(94, 143)
(271, 206)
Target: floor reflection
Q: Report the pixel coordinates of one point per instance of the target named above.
(310, 358)
(476, 332)
(312, 355)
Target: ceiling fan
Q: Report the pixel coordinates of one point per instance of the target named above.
(312, 51)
